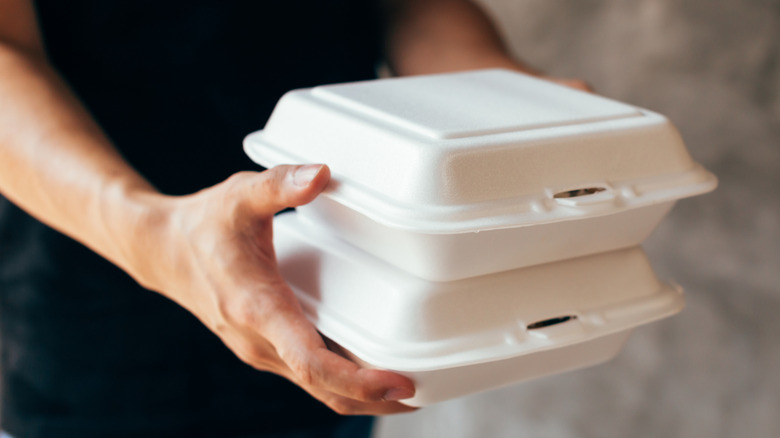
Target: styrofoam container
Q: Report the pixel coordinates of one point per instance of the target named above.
(459, 337)
(422, 164)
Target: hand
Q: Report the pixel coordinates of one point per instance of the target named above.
(216, 258)
(577, 84)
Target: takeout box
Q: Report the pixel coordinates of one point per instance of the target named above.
(457, 175)
(459, 337)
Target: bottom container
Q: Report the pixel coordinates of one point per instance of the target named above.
(438, 385)
(459, 337)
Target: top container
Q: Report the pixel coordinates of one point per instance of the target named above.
(421, 164)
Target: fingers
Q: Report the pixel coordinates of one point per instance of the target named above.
(577, 84)
(266, 327)
(339, 403)
(347, 406)
(314, 366)
(284, 186)
(286, 343)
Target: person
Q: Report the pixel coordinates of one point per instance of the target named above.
(139, 294)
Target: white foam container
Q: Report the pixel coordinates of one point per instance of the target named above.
(456, 338)
(422, 164)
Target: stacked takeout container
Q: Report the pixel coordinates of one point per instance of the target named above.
(480, 228)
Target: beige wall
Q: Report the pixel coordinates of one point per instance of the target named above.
(713, 67)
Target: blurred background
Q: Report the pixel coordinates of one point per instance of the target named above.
(712, 67)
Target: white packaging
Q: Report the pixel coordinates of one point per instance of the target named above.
(422, 164)
(459, 337)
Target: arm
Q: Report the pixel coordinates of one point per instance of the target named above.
(434, 36)
(211, 252)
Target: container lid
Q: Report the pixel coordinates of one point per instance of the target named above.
(478, 150)
(470, 104)
(394, 320)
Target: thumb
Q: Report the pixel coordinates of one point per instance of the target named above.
(287, 186)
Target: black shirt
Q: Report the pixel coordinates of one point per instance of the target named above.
(176, 85)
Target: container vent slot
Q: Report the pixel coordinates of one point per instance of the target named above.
(550, 321)
(578, 192)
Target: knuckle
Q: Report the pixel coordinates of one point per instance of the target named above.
(255, 357)
(238, 180)
(245, 356)
(271, 185)
(241, 350)
(233, 199)
(363, 393)
(240, 177)
(245, 316)
(264, 308)
(342, 407)
(238, 311)
(220, 326)
(304, 372)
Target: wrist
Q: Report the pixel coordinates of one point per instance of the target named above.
(135, 221)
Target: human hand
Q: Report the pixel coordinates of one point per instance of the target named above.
(577, 84)
(213, 254)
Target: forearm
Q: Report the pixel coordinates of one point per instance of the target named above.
(56, 164)
(212, 252)
(431, 36)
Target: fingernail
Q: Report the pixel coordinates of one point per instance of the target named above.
(395, 394)
(305, 174)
